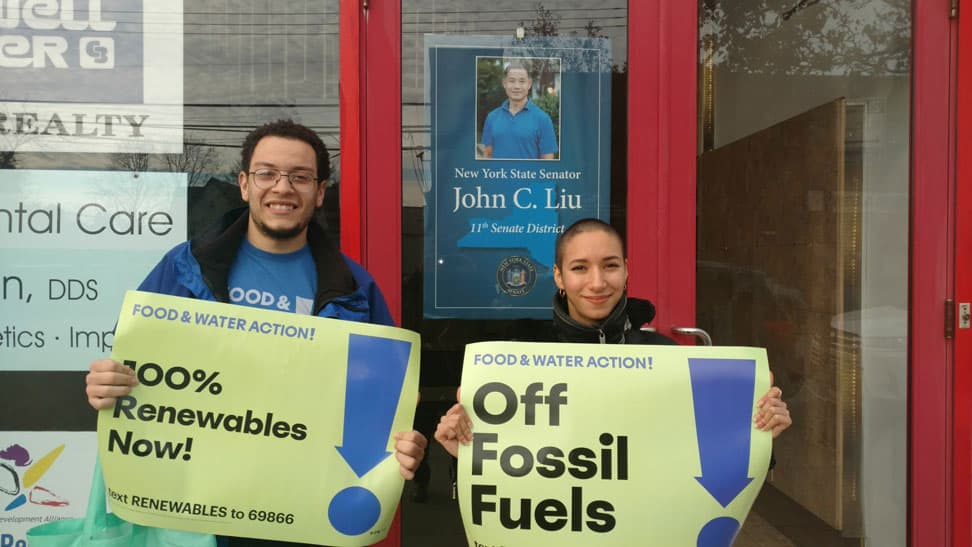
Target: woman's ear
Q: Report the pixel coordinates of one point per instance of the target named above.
(558, 278)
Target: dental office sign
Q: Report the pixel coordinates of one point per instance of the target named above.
(91, 76)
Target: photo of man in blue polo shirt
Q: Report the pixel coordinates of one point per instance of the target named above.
(518, 128)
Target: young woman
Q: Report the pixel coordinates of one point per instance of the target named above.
(592, 306)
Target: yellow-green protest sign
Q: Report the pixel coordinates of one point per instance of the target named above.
(257, 423)
(610, 445)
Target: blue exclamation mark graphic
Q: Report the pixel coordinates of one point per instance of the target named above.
(722, 393)
(376, 372)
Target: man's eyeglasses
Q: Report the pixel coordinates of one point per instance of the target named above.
(267, 178)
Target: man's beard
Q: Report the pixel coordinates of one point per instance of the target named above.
(281, 234)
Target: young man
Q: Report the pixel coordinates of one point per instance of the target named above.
(518, 129)
(272, 248)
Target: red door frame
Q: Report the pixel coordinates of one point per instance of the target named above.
(371, 188)
(661, 164)
(371, 121)
(662, 67)
(962, 415)
(930, 260)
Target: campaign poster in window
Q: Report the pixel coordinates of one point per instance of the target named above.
(519, 149)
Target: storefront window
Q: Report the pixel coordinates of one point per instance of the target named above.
(247, 62)
(120, 128)
(215, 70)
(802, 246)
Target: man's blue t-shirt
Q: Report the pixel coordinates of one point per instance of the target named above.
(282, 282)
(525, 135)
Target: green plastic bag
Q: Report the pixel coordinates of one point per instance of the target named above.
(99, 528)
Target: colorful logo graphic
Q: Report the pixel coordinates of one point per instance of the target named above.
(516, 276)
(24, 486)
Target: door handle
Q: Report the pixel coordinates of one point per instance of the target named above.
(694, 331)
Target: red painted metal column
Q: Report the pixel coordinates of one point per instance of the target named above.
(662, 68)
(371, 152)
(371, 128)
(930, 270)
(382, 154)
(349, 86)
(962, 389)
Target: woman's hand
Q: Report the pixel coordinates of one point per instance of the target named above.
(454, 427)
(772, 414)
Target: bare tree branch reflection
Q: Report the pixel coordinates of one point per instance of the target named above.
(813, 37)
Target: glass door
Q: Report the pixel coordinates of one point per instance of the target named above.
(803, 203)
(514, 125)
(776, 206)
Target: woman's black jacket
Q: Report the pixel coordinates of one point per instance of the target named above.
(622, 326)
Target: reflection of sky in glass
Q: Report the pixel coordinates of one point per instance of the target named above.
(247, 63)
(568, 18)
(281, 53)
(825, 38)
(90, 57)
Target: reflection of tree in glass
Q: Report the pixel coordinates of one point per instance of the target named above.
(547, 23)
(130, 161)
(126, 194)
(197, 160)
(809, 37)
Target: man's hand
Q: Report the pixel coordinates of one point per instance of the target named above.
(107, 381)
(409, 451)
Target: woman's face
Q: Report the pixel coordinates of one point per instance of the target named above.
(593, 274)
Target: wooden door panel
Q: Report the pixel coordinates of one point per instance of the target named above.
(778, 251)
